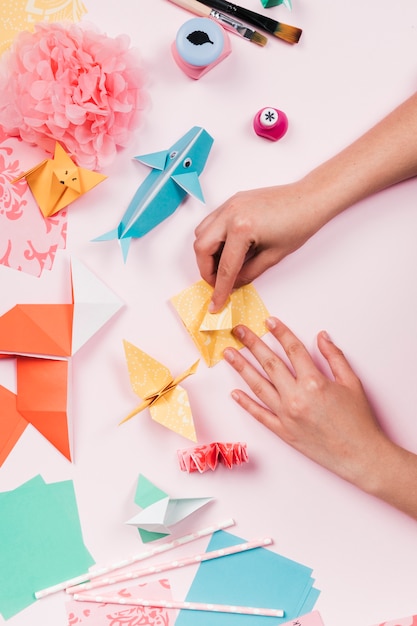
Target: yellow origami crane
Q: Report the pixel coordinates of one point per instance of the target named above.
(211, 332)
(153, 382)
(57, 182)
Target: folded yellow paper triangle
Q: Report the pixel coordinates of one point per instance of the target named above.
(213, 333)
(223, 320)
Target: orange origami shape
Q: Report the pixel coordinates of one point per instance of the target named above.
(12, 423)
(37, 329)
(41, 400)
(57, 182)
(42, 338)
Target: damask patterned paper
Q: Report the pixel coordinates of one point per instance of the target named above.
(28, 240)
(91, 614)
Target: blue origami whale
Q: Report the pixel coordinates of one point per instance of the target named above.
(174, 174)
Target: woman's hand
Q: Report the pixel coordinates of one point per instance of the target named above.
(254, 230)
(249, 233)
(329, 421)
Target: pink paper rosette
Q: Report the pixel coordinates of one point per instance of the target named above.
(207, 456)
(75, 85)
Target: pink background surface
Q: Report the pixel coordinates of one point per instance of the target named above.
(356, 278)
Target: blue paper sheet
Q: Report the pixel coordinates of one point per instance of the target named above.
(258, 578)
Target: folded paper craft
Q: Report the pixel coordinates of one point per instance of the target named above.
(153, 382)
(206, 457)
(12, 423)
(273, 3)
(174, 174)
(57, 182)
(160, 511)
(42, 338)
(211, 332)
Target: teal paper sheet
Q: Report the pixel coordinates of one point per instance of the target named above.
(41, 542)
(146, 495)
(257, 578)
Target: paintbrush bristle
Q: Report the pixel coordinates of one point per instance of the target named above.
(291, 34)
(258, 38)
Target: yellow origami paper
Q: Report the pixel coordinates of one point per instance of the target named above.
(211, 332)
(57, 182)
(161, 393)
(223, 320)
(24, 14)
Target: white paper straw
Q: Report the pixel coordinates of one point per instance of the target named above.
(163, 547)
(175, 564)
(174, 604)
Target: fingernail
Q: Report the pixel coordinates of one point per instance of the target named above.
(271, 323)
(211, 307)
(325, 335)
(235, 396)
(239, 332)
(229, 355)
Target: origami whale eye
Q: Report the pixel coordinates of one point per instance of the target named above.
(187, 162)
(173, 154)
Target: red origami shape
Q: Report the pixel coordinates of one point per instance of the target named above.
(205, 457)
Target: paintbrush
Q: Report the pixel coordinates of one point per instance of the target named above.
(291, 34)
(227, 21)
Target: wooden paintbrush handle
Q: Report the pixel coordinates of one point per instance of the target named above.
(194, 7)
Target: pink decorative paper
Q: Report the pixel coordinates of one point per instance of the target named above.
(205, 457)
(404, 621)
(92, 614)
(309, 619)
(28, 241)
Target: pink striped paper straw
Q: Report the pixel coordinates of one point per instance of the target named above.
(163, 567)
(174, 604)
(164, 547)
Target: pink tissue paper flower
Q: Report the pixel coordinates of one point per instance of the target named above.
(72, 84)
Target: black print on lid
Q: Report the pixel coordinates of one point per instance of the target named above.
(199, 38)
